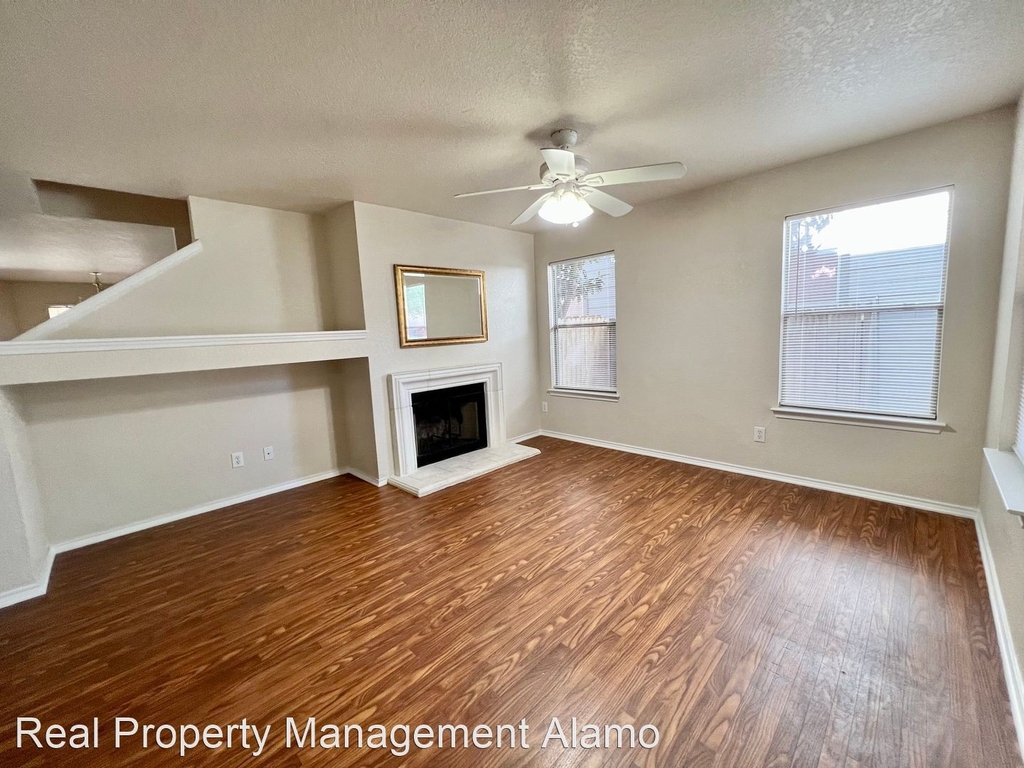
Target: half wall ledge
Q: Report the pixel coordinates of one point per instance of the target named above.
(36, 362)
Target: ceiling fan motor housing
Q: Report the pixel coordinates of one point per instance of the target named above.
(583, 168)
(573, 191)
(565, 138)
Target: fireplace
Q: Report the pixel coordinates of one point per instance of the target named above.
(460, 410)
(449, 422)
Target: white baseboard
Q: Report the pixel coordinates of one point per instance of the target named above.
(39, 588)
(36, 589)
(1011, 665)
(21, 594)
(153, 522)
(929, 505)
(377, 481)
(527, 436)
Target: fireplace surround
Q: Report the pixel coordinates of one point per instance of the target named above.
(402, 387)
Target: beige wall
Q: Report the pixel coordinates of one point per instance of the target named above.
(260, 271)
(1006, 540)
(23, 543)
(159, 444)
(9, 327)
(31, 299)
(340, 249)
(265, 270)
(354, 411)
(1003, 530)
(116, 452)
(388, 236)
(1009, 354)
(91, 203)
(699, 284)
(270, 259)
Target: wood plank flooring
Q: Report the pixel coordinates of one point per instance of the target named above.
(753, 623)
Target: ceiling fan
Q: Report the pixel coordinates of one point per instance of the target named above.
(573, 187)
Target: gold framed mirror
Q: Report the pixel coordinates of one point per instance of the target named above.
(440, 306)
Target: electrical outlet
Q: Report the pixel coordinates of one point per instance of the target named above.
(543, 406)
(268, 453)
(237, 460)
(759, 434)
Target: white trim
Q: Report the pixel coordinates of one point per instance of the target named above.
(153, 522)
(904, 423)
(553, 326)
(51, 346)
(1008, 473)
(104, 297)
(892, 422)
(402, 386)
(526, 436)
(1011, 664)
(379, 482)
(29, 591)
(876, 201)
(39, 588)
(929, 505)
(585, 394)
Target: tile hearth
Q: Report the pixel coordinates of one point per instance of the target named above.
(444, 474)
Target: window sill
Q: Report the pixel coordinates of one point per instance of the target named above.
(1008, 473)
(585, 394)
(860, 419)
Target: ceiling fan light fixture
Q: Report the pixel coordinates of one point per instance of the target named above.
(571, 187)
(565, 206)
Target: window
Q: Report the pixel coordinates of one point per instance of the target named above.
(1018, 440)
(416, 311)
(581, 295)
(862, 301)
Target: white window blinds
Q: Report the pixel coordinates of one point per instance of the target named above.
(581, 297)
(1018, 440)
(862, 301)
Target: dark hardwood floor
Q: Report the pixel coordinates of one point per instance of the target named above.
(753, 623)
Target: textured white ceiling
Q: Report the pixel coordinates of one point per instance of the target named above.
(57, 248)
(302, 105)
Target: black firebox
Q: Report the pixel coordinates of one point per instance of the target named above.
(449, 422)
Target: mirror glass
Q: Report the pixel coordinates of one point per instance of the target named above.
(440, 306)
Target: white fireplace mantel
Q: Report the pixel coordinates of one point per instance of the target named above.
(402, 386)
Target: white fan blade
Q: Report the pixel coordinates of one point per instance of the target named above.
(561, 162)
(530, 212)
(605, 202)
(506, 189)
(658, 172)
